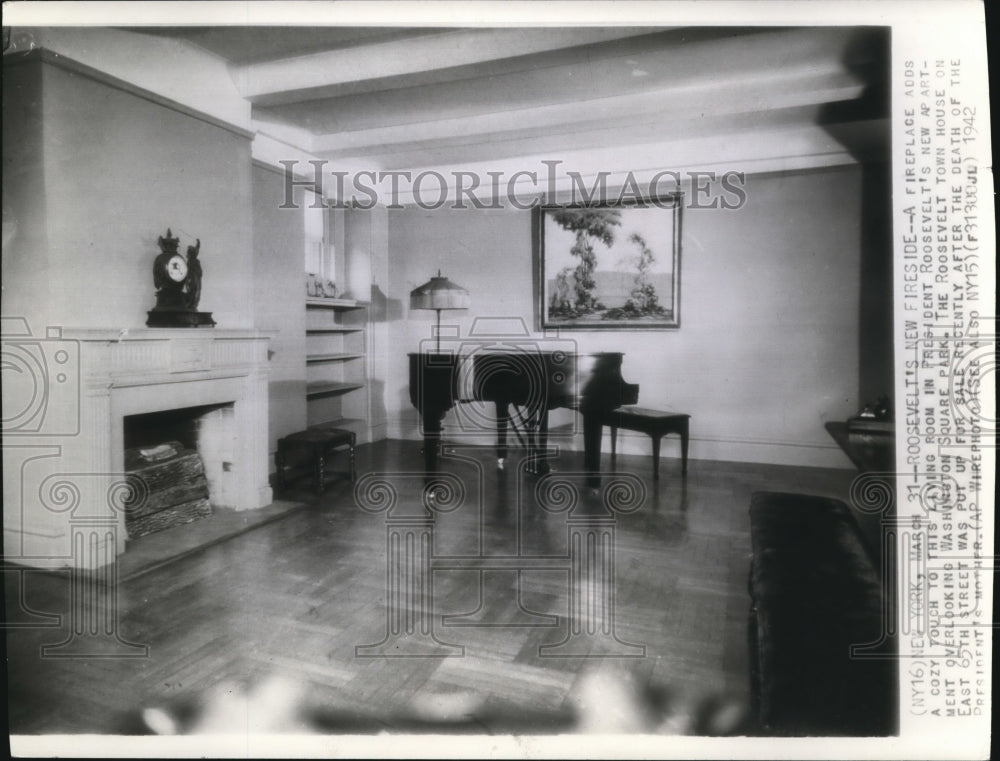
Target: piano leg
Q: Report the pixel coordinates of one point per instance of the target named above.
(540, 464)
(503, 418)
(592, 429)
(432, 441)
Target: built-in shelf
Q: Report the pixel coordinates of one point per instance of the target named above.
(336, 364)
(330, 388)
(334, 303)
(332, 357)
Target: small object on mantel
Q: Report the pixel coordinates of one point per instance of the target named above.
(177, 280)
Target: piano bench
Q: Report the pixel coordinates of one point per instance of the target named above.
(318, 442)
(656, 423)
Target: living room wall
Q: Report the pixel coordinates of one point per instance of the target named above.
(25, 236)
(279, 298)
(119, 167)
(768, 346)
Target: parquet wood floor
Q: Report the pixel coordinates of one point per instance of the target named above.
(296, 596)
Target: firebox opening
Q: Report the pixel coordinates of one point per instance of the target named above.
(182, 458)
(151, 429)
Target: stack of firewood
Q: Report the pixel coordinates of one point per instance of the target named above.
(173, 488)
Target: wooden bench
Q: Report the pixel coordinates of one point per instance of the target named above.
(656, 423)
(318, 442)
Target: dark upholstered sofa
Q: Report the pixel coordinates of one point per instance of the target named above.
(815, 591)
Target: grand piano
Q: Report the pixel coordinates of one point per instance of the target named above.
(523, 386)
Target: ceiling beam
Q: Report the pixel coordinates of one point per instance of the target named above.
(667, 106)
(656, 62)
(654, 166)
(307, 76)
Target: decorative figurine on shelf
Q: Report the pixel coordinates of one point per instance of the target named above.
(193, 286)
(320, 289)
(178, 287)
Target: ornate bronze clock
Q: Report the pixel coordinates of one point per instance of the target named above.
(177, 280)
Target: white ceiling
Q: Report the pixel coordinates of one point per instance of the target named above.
(407, 98)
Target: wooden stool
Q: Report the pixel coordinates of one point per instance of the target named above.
(318, 441)
(654, 422)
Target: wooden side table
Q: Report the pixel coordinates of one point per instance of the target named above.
(868, 452)
(655, 423)
(318, 442)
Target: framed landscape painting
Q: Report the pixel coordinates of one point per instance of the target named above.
(614, 266)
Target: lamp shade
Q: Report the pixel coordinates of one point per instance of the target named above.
(439, 293)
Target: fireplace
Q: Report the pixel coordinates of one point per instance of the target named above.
(74, 483)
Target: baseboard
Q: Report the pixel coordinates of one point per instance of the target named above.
(808, 454)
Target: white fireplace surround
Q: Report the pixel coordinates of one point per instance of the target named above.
(134, 372)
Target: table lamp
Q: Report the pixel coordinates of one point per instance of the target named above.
(439, 293)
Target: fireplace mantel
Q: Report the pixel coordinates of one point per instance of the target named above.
(75, 484)
(163, 355)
